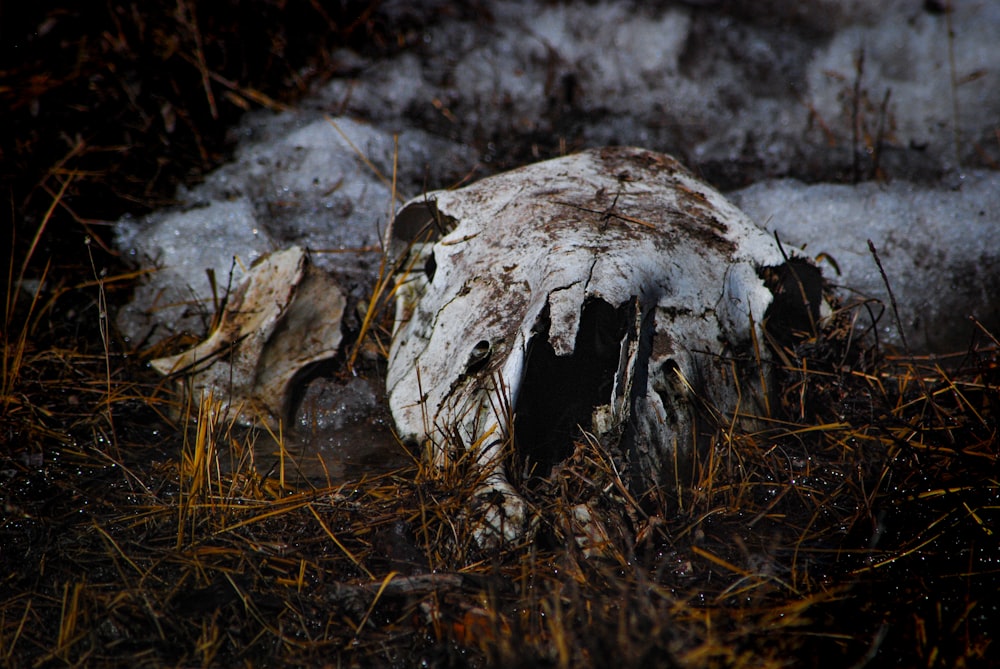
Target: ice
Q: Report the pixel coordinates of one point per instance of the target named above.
(331, 406)
(837, 90)
(343, 428)
(820, 91)
(181, 247)
(318, 182)
(908, 62)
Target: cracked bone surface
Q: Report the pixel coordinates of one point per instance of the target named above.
(609, 291)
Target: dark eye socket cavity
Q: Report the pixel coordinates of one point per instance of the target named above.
(430, 266)
(478, 357)
(792, 316)
(668, 369)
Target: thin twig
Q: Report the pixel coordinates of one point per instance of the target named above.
(892, 297)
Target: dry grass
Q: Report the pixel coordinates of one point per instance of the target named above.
(858, 525)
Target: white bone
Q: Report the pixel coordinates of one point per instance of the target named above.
(668, 269)
(284, 316)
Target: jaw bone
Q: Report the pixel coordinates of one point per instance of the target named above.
(604, 290)
(284, 316)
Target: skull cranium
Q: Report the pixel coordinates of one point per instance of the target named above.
(602, 291)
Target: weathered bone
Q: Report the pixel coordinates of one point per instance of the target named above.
(285, 315)
(609, 290)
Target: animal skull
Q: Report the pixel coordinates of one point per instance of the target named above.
(605, 290)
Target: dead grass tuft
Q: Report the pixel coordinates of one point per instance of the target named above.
(859, 522)
(856, 522)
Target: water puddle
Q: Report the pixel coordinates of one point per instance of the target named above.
(343, 431)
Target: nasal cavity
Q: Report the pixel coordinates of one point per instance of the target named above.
(558, 394)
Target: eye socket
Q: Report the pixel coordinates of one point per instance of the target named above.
(668, 370)
(797, 287)
(414, 222)
(478, 357)
(430, 267)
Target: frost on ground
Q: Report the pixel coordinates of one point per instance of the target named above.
(833, 122)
